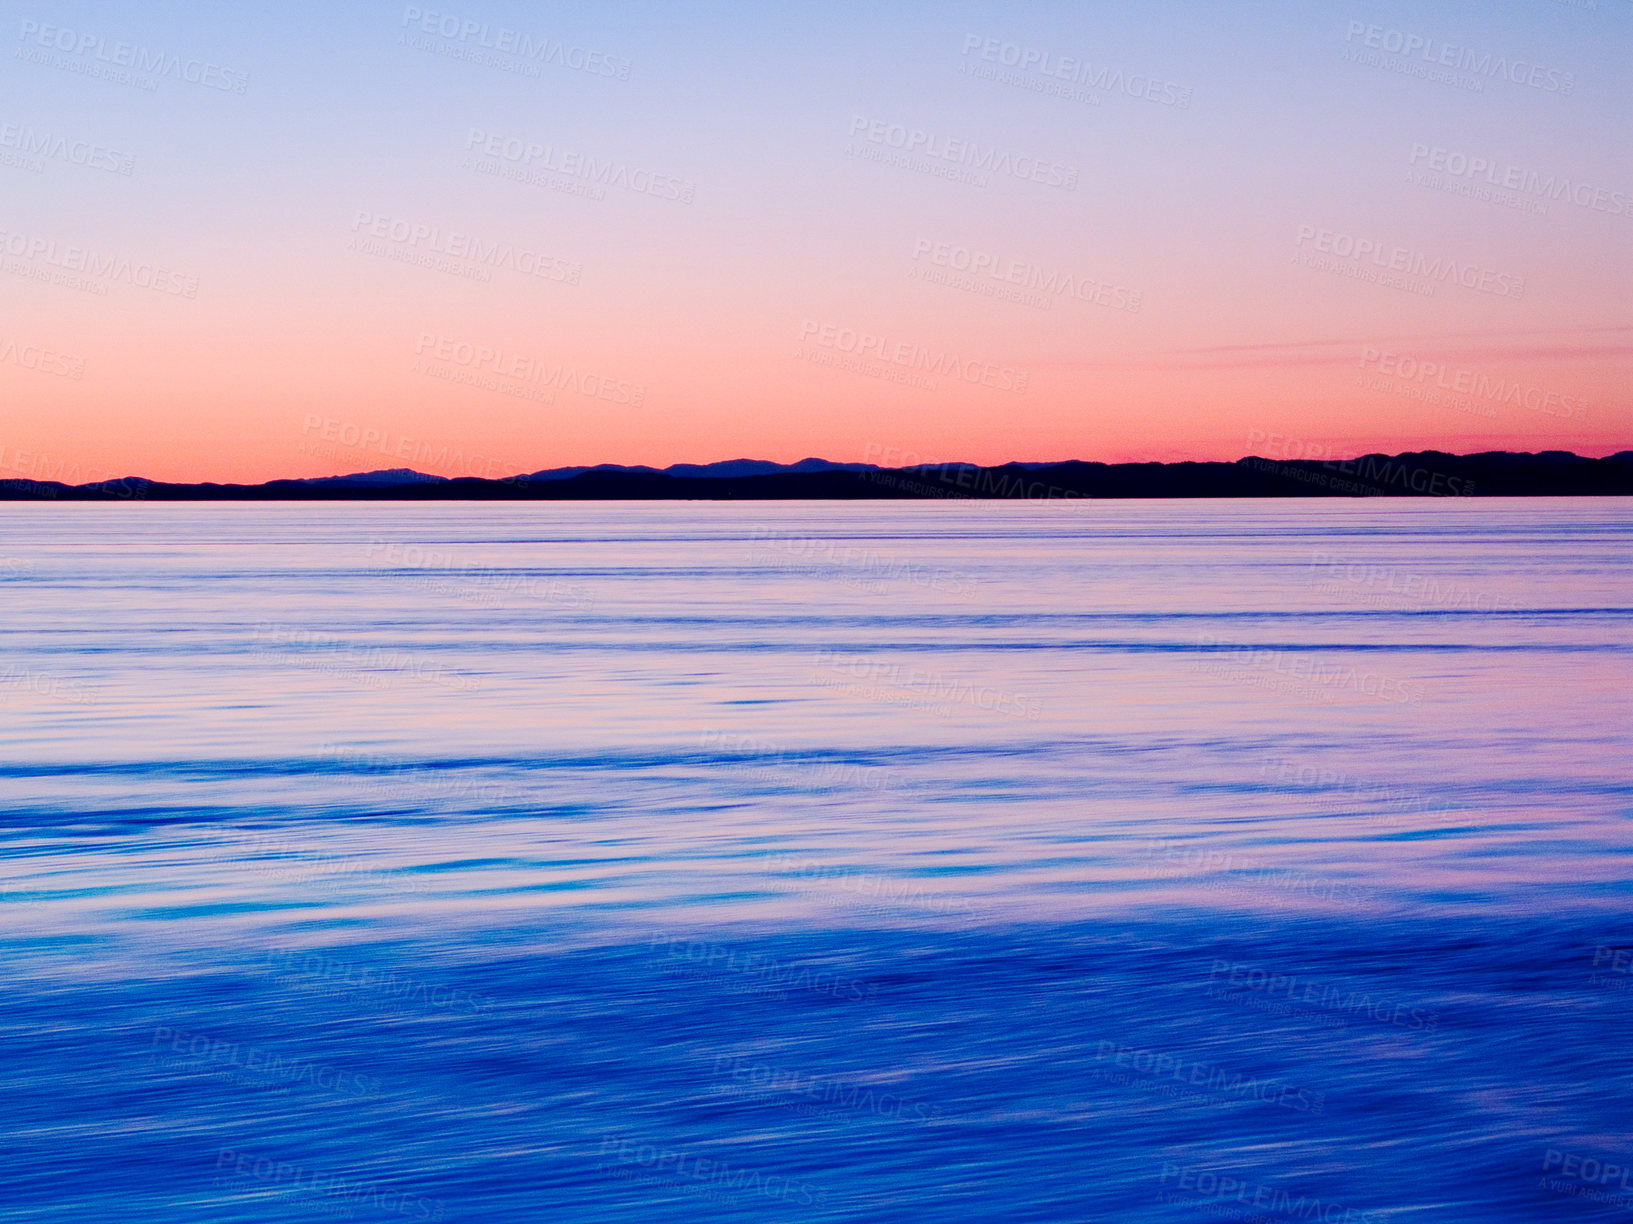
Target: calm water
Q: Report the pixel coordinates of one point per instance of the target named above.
(1079, 862)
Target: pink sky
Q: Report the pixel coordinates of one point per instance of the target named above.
(856, 241)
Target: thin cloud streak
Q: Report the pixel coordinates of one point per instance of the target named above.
(1291, 354)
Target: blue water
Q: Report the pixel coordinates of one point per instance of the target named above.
(1141, 862)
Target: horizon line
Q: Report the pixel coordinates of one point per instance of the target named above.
(815, 469)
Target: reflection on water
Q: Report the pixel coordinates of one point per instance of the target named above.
(1138, 861)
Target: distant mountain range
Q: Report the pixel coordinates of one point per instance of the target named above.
(1413, 474)
(726, 469)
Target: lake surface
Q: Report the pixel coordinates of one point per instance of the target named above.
(1079, 861)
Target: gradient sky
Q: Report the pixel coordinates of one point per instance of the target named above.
(1217, 166)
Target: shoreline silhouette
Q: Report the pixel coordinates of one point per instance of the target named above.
(1410, 474)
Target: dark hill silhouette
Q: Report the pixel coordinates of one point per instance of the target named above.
(1414, 474)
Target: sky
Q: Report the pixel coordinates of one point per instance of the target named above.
(247, 242)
